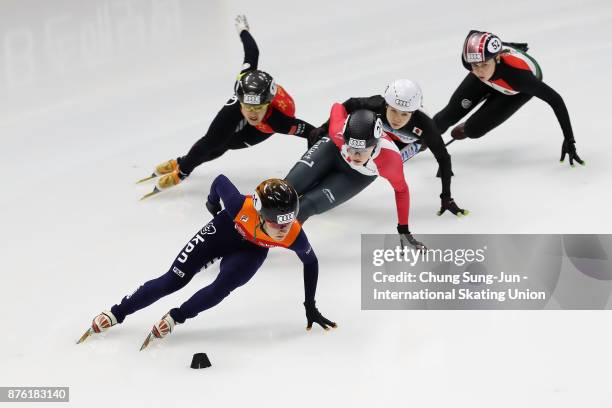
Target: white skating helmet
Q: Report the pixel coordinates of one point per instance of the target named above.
(404, 95)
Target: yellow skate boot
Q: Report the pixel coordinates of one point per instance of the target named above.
(162, 169)
(166, 167)
(168, 180)
(165, 182)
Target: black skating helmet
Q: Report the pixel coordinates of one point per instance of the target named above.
(276, 201)
(255, 88)
(362, 129)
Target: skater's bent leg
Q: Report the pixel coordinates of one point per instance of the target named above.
(495, 111)
(196, 254)
(336, 188)
(149, 293)
(236, 270)
(465, 98)
(215, 142)
(315, 164)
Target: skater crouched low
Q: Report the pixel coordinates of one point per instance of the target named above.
(240, 235)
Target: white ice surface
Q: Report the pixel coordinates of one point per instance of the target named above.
(94, 93)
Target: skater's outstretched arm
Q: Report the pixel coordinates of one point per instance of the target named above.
(529, 84)
(372, 103)
(288, 125)
(433, 140)
(352, 104)
(392, 168)
(337, 117)
(525, 82)
(304, 250)
(223, 189)
(251, 52)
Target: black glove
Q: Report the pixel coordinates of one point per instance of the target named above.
(315, 135)
(406, 238)
(450, 205)
(314, 316)
(569, 148)
(213, 208)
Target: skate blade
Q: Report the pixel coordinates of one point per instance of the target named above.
(147, 341)
(152, 176)
(152, 193)
(85, 335)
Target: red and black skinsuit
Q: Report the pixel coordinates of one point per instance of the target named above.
(325, 176)
(517, 78)
(229, 130)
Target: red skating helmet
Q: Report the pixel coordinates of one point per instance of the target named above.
(480, 46)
